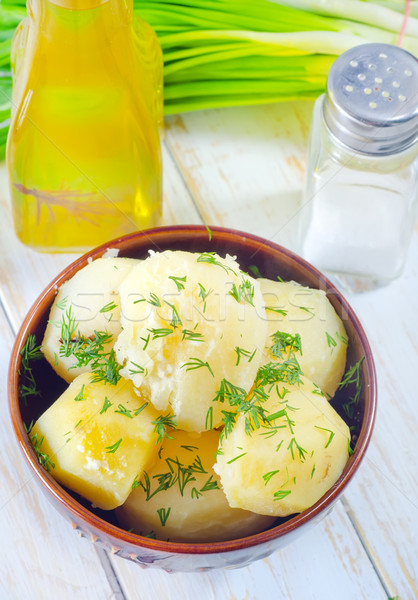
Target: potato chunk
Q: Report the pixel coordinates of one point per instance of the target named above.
(189, 321)
(180, 497)
(286, 465)
(294, 309)
(98, 437)
(87, 303)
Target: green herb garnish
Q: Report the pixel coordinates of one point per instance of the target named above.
(331, 435)
(80, 396)
(112, 449)
(160, 426)
(179, 281)
(137, 370)
(153, 300)
(175, 317)
(294, 445)
(192, 336)
(43, 457)
(196, 363)
(244, 292)
(279, 311)
(285, 343)
(61, 304)
(236, 458)
(269, 475)
(280, 494)
(211, 484)
(330, 341)
(106, 404)
(30, 352)
(163, 513)
(89, 351)
(126, 412)
(241, 352)
(108, 307)
(159, 333)
(353, 378)
(209, 257)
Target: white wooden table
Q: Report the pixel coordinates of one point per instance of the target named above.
(241, 168)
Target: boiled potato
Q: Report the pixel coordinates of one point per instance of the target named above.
(97, 437)
(87, 303)
(189, 321)
(294, 309)
(286, 465)
(190, 505)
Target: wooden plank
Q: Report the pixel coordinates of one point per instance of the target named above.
(326, 559)
(40, 556)
(24, 273)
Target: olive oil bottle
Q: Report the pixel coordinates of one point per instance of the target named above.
(83, 152)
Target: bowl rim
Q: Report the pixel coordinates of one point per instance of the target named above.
(121, 536)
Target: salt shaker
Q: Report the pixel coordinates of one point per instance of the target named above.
(362, 178)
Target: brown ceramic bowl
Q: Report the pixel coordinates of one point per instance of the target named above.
(100, 526)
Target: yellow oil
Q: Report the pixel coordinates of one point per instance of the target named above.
(83, 152)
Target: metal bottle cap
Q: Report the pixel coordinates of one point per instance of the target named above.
(371, 103)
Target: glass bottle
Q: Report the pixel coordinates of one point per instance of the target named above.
(362, 177)
(83, 153)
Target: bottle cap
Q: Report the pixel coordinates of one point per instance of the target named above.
(371, 103)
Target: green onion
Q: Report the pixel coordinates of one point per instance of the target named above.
(241, 52)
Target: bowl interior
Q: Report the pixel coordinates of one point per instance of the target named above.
(270, 260)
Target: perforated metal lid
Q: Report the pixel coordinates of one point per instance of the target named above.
(371, 103)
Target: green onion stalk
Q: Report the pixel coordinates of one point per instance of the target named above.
(244, 52)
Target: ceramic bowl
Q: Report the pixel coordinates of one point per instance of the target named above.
(101, 527)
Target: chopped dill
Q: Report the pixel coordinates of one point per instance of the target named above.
(43, 457)
(192, 336)
(280, 494)
(244, 292)
(89, 351)
(210, 258)
(175, 317)
(137, 370)
(241, 352)
(163, 513)
(331, 434)
(153, 300)
(126, 412)
(285, 343)
(160, 426)
(30, 352)
(236, 458)
(79, 397)
(255, 271)
(353, 378)
(106, 404)
(108, 307)
(279, 311)
(197, 363)
(179, 281)
(267, 476)
(112, 449)
(330, 341)
(159, 333)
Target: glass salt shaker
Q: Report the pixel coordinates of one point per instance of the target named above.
(362, 178)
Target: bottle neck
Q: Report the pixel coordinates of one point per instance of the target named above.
(118, 10)
(78, 4)
(79, 23)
